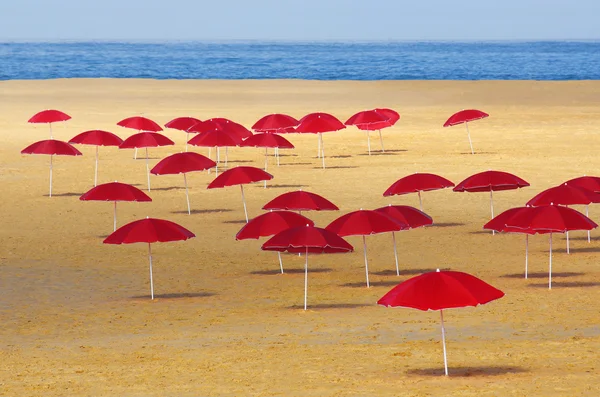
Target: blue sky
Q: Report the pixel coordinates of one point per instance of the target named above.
(305, 20)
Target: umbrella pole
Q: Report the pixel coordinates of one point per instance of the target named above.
(366, 260)
(568, 250)
(420, 201)
(492, 206)
(244, 201)
(151, 281)
(147, 169)
(526, 253)
(135, 154)
(277, 155)
(369, 141)
(115, 216)
(381, 140)
(226, 155)
(305, 277)
(96, 171)
(319, 145)
(587, 207)
(217, 167)
(469, 135)
(187, 196)
(266, 162)
(280, 262)
(50, 124)
(550, 265)
(444, 343)
(50, 193)
(395, 254)
(187, 138)
(322, 150)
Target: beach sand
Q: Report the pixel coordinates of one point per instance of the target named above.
(76, 317)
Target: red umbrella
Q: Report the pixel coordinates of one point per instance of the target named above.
(464, 116)
(271, 223)
(267, 140)
(216, 138)
(146, 140)
(391, 114)
(363, 223)
(277, 123)
(141, 124)
(240, 176)
(149, 230)
(547, 220)
(489, 181)
(305, 239)
(405, 215)
(438, 291)
(317, 123)
(97, 138)
(115, 191)
(222, 124)
(183, 124)
(182, 163)
(370, 120)
(300, 201)
(49, 116)
(586, 182)
(418, 182)
(51, 147)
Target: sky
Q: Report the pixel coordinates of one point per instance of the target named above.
(298, 20)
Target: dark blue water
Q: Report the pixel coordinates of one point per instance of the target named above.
(315, 61)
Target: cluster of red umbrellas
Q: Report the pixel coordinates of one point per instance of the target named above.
(375, 119)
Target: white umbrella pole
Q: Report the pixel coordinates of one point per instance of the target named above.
(369, 141)
(277, 155)
(550, 265)
(187, 138)
(444, 343)
(50, 193)
(319, 145)
(50, 124)
(469, 135)
(526, 253)
(147, 169)
(568, 250)
(587, 207)
(244, 201)
(266, 162)
(151, 281)
(305, 278)
(280, 262)
(187, 196)
(420, 201)
(115, 217)
(366, 260)
(217, 167)
(96, 171)
(395, 254)
(226, 155)
(381, 140)
(492, 207)
(135, 154)
(322, 150)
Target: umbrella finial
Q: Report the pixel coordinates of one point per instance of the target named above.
(437, 270)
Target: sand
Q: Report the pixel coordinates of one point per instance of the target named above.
(76, 317)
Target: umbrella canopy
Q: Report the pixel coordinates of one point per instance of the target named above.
(564, 195)
(215, 138)
(115, 191)
(97, 138)
(586, 182)
(300, 201)
(370, 120)
(182, 163)
(464, 116)
(438, 291)
(391, 114)
(307, 239)
(267, 140)
(240, 176)
(221, 124)
(277, 122)
(140, 123)
(149, 230)
(406, 215)
(363, 223)
(51, 147)
(49, 116)
(417, 183)
(182, 123)
(317, 123)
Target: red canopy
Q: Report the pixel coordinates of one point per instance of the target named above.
(586, 182)
(182, 123)
(215, 138)
(222, 124)
(391, 114)
(407, 215)
(140, 123)
(49, 116)
(417, 183)
(464, 116)
(319, 122)
(369, 120)
(278, 123)
(490, 180)
(564, 195)
(97, 138)
(181, 163)
(51, 147)
(300, 201)
(267, 140)
(145, 140)
(271, 223)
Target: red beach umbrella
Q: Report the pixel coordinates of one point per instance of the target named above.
(51, 147)
(307, 239)
(182, 163)
(240, 176)
(149, 230)
(49, 116)
(317, 123)
(405, 215)
(391, 114)
(300, 201)
(277, 123)
(115, 191)
(438, 291)
(97, 138)
(489, 181)
(267, 140)
(586, 182)
(547, 220)
(216, 138)
(417, 183)
(222, 124)
(271, 223)
(140, 123)
(370, 120)
(183, 124)
(464, 116)
(363, 223)
(146, 140)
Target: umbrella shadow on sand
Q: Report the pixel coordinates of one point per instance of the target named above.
(543, 275)
(236, 221)
(336, 167)
(584, 238)
(285, 186)
(69, 194)
(160, 189)
(469, 153)
(447, 224)
(577, 249)
(179, 295)
(405, 272)
(331, 306)
(275, 272)
(372, 284)
(386, 153)
(566, 284)
(469, 371)
(207, 211)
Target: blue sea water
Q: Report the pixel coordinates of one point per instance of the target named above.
(551, 60)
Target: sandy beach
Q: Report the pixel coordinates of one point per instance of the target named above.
(76, 317)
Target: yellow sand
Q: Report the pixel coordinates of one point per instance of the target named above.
(76, 318)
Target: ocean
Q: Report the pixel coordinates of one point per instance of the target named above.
(548, 60)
